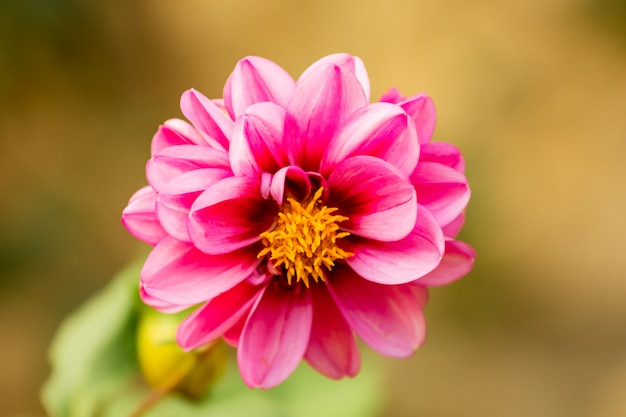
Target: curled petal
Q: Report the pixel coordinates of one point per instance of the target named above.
(256, 80)
(179, 274)
(401, 261)
(422, 110)
(443, 153)
(353, 63)
(290, 181)
(256, 145)
(386, 317)
(332, 348)
(175, 160)
(217, 316)
(379, 203)
(177, 196)
(457, 262)
(139, 217)
(275, 336)
(207, 117)
(380, 129)
(177, 132)
(229, 215)
(323, 99)
(442, 189)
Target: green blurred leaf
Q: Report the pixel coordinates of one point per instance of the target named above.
(95, 373)
(93, 353)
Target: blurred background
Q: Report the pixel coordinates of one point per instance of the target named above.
(532, 91)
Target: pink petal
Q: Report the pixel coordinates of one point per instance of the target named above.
(443, 153)
(402, 261)
(178, 273)
(139, 217)
(332, 348)
(177, 132)
(160, 305)
(419, 292)
(392, 95)
(233, 335)
(442, 189)
(217, 316)
(380, 129)
(290, 181)
(173, 161)
(229, 215)
(353, 63)
(256, 145)
(275, 336)
(207, 117)
(256, 80)
(454, 227)
(379, 203)
(177, 196)
(387, 317)
(457, 262)
(323, 99)
(422, 110)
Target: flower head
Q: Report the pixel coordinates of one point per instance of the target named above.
(297, 213)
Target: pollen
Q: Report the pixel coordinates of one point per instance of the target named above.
(304, 241)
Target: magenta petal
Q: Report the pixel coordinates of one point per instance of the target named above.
(442, 189)
(139, 217)
(290, 181)
(207, 117)
(332, 348)
(380, 129)
(275, 336)
(443, 153)
(453, 228)
(392, 95)
(177, 132)
(323, 99)
(160, 305)
(256, 145)
(229, 215)
(233, 335)
(422, 110)
(177, 273)
(256, 80)
(353, 63)
(387, 317)
(457, 262)
(379, 203)
(175, 160)
(402, 261)
(419, 292)
(177, 196)
(217, 316)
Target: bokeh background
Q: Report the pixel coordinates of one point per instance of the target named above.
(532, 91)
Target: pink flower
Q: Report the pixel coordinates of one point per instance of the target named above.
(298, 215)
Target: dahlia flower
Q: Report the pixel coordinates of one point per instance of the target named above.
(297, 215)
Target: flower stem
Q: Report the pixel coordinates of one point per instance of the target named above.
(156, 395)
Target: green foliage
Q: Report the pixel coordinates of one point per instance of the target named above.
(95, 373)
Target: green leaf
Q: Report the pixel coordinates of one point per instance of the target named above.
(93, 353)
(95, 373)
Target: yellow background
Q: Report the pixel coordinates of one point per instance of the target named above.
(532, 91)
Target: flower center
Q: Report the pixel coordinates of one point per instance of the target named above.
(304, 240)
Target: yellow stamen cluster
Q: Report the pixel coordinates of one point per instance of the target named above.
(305, 239)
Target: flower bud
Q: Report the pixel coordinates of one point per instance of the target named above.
(166, 366)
